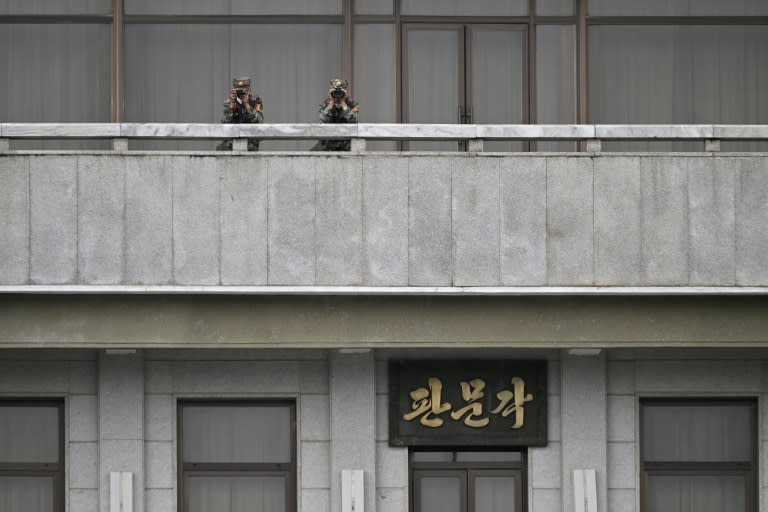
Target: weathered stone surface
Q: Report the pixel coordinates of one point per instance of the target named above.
(196, 221)
(569, 221)
(617, 221)
(712, 218)
(429, 222)
(101, 216)
(385, 221)
(243, 221)
(148, 220)
(292, 220)
(664, 221)
(523, 217)
(475, 221)
(751, 222)
(338, 221)
(53, 219)
(14, 229)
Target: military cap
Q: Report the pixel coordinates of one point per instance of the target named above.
(241, 83)
(339, 83)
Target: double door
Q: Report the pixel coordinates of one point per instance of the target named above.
(467, 490)
(467, 74)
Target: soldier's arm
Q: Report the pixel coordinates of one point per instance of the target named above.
(350, 115)
(228, 116)
(325, 112)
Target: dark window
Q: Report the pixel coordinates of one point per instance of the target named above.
(699, 456)
(237, 456)
(31, 456)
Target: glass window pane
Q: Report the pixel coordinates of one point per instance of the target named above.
(556, 80)
(222, 7)
(291, 71)
(66, 64)
(488, 457)
(440, 494)
(463, 8)
(710, 493)
(29, 434)
(236, 494)
(182, 73)
(433, 456)
(176, 74)
(497, 81)
(554, 7)
(697, 433)
(677, 75)
(55, 7)
(257, 434)
(373, 7)
(678, 8)
(494, 494)
(433, 74)
(26, 493)
(374, 86)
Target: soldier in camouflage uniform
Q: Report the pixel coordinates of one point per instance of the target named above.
(242, 108)
(338, 107)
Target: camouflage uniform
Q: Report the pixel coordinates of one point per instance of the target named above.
(337, 114)
(241, 115)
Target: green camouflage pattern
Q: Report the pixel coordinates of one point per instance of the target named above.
(330, 114)
(252, 116)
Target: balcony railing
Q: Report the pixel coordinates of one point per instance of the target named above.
(120, 221)
(709, 134)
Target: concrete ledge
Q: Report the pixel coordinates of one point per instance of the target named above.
(386, 290)
(536, 131)
(418, 131)
(57, 130)
(740, 131)
(383, 131)
(179, 131)
(655, 131)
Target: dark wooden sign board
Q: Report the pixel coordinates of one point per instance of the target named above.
(474, 403)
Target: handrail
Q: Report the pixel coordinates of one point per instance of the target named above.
(359, 133)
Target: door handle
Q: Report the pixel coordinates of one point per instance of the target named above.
(469, 116)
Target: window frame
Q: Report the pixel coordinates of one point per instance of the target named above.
(420, 469)
(747, 469)
(219, 469)
(41, 469)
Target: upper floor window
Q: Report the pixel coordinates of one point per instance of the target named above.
(31, 456)
(699, 456)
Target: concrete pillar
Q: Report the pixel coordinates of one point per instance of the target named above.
(584, 423)
(353, 440)
(121, 422)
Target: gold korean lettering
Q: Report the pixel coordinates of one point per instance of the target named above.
(513, 401)
(428, 402)
(471, 392)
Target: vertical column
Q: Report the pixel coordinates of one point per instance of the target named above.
(121, 422)
(353, 442)
(584, 424)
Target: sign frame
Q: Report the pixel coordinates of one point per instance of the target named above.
(409, 375)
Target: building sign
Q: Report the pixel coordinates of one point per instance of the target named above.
(467, 403)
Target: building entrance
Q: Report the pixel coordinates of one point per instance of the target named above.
(462, 73)
(467, 481)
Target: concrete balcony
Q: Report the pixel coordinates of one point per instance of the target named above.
(384, 223)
